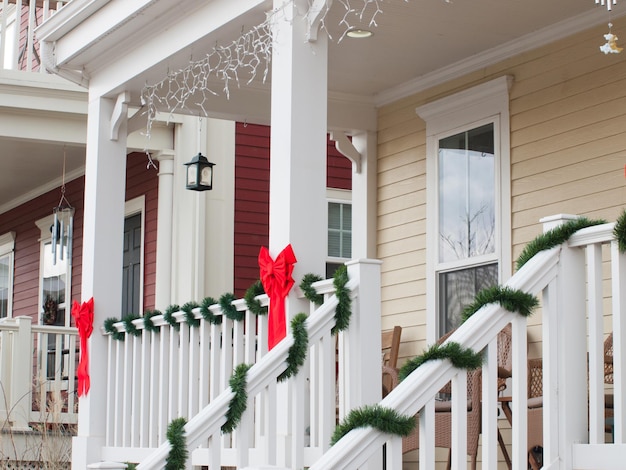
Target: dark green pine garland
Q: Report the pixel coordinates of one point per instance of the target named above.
(343, 310)
(226, 302)
(148, 323)
(110, 328)
(168, 316)
(177, 458)
(620, 232)
(511, 299)
(298, 350)
(129, 326)
(190, 318)
(253, 304)
(386, 420)
(554, 237)
(461, 358)
(238, 384)
(306, 286)
(206, 311)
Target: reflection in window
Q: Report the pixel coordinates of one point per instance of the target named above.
(467, 194)
(5, 284)
(54, 284)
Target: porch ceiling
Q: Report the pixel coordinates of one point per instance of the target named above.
(139, 41)
(125, 44)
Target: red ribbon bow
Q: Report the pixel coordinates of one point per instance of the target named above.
(277, 282)
(83, 317)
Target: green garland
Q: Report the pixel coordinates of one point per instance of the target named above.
(177, 458)
(238, 384)
(343, 310)
(386, 420)
(226, 302)
(299, 348)
(461, 358)
(168, 316)
(206, 311)
(511, 299)
(148, 324)
(129, 326)
(190, 318)
(253, 304)
(620, 232)
(110, 328)
(554, 237)
(306, 286)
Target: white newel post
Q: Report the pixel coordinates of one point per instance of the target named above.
(105, 177)
(298, 214)
(163, 288)
(21, 380)
(570, 333)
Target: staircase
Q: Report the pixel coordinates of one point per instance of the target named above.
(581, 285)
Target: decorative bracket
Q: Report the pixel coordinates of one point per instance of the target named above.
(120, 111)
(345, 147)
(316, 13)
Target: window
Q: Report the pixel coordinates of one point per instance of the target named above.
(55, 274)
(7, 245)
(468, 199)
(339, 233)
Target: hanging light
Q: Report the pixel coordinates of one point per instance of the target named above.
(62, 228)
(199, 173)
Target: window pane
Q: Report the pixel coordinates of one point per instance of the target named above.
(339, 230)
(4, 285)
(53, 295)
(467, 194)
(457, 289)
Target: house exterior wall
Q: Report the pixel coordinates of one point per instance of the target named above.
(252, 171)
(567, 117)
(21, 220)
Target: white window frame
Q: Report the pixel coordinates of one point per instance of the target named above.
(44, 225)
(7, 248)
(468, 109)
(133, 207)
(338, 196)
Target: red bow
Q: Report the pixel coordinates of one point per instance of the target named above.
(83, 317)
(277, 281)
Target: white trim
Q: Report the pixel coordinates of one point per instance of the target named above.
(338, 195)
(133, 207)
(7, 247)
(495, 55)
(488, 102)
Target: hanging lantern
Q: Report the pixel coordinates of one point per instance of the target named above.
(199, 173)
(62, 228)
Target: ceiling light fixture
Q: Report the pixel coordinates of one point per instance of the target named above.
(359, 33)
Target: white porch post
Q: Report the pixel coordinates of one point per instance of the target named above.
(364, 197)
(568, 339)
(163, 290)
(298, 214)
(105, 176)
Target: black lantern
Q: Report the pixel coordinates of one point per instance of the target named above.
(199, 173)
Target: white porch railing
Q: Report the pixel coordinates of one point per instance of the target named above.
(577, 297)
(156, 377)
(19, 48)
(37, 374)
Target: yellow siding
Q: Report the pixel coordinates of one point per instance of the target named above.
(568, 151)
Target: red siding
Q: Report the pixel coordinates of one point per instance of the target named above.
(21, 220)
(252, 173)
(140, 180)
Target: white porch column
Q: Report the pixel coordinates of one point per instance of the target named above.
(163, 288)
(103, 227)
(364, 197)
(298, 214)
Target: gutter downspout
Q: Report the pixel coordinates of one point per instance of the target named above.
(49, 63)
